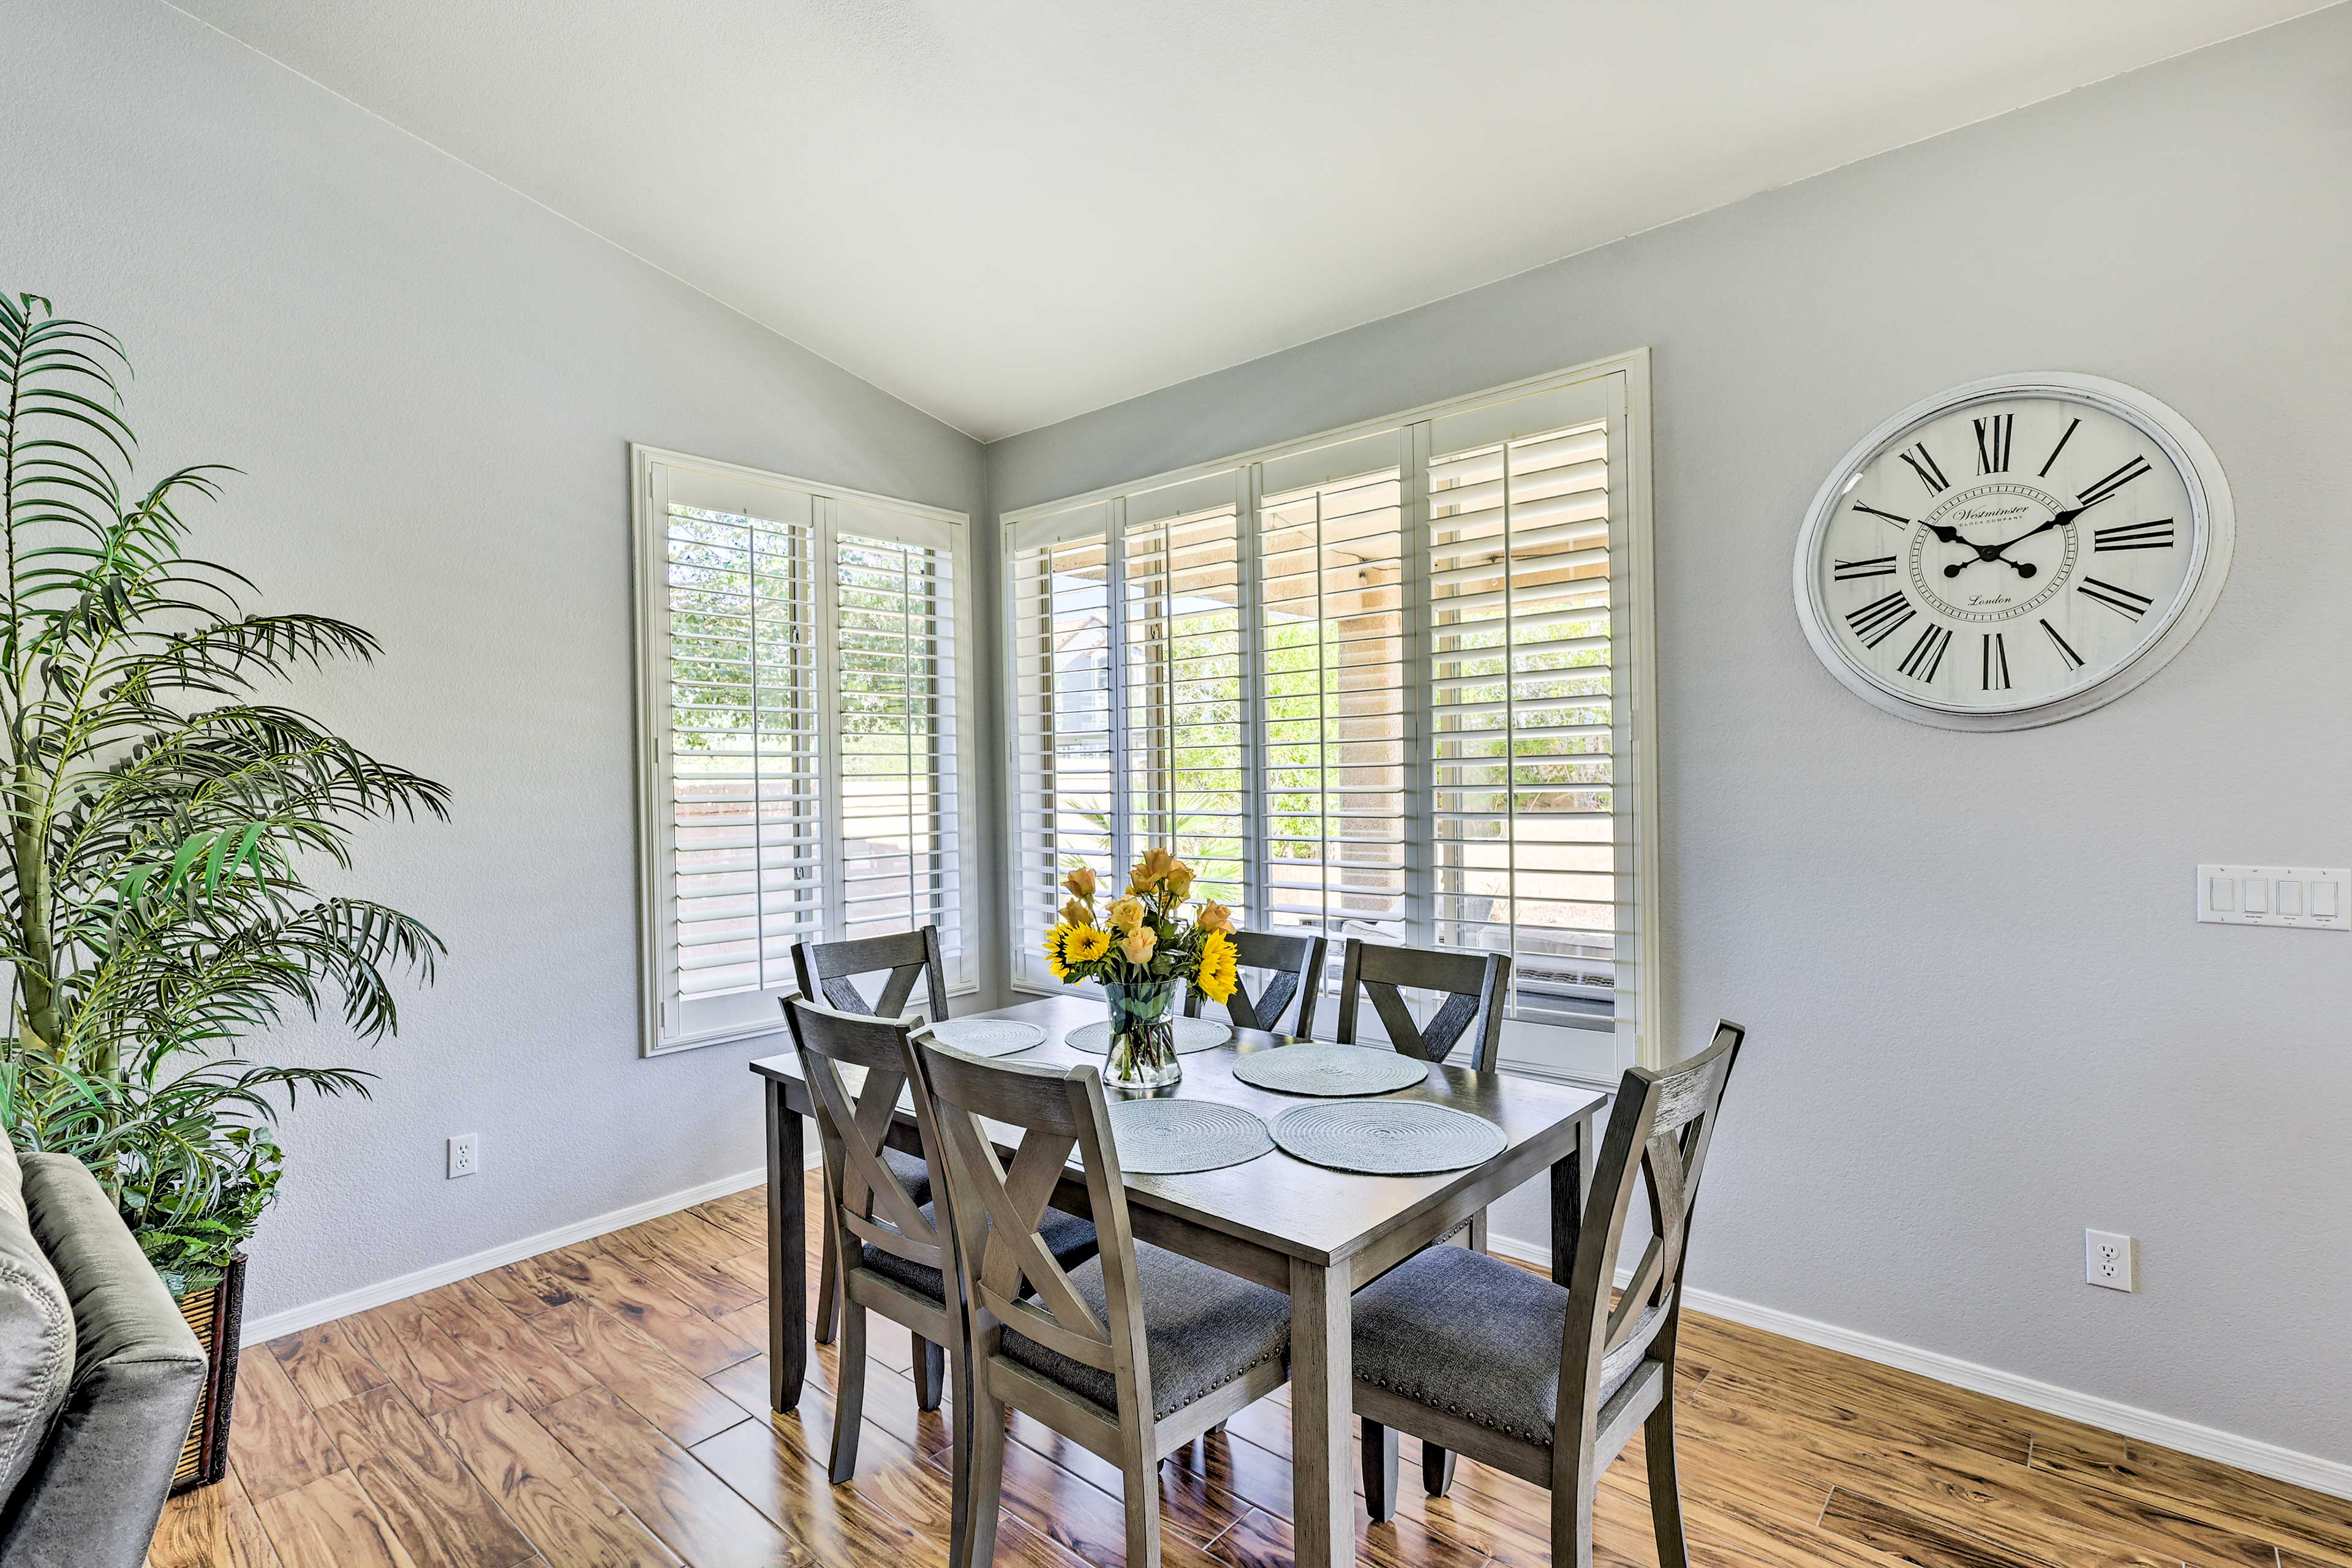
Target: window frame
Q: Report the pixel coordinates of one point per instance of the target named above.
(649, 579)
(1639, 1030)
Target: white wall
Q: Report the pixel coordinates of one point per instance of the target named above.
(430, 383)
(1981, 1016)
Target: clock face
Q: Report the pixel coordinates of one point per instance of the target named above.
(2005, 552)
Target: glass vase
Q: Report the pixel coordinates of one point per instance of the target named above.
(1142, 1052)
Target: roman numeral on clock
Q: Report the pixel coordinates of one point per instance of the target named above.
(1888, 516)
(1923, 463)
(2074, 661)
(1876, 621)
(1926, 655)
(2061, 447)
(2152, 535)
(1996, 662)
(2122, 600)
(1876, 566)
(2102, 488)
(1992, 443)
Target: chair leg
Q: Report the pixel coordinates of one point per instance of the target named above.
(1478, 1231)
(1436, 1469)
(930, 1365)
(828, 1290)
(1380, 1462)
(1665, 1487)
(959, 1463)
(1572, 1515)
(1143, 1515)
(986, 1462)
(849, 1393)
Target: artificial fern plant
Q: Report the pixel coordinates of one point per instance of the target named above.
(159, 821)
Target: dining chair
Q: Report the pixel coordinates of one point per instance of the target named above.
(1474, 985)
(827, 973)
(893, 1257)
(1131, 1355)
(1294, 968)
(1546, 1382)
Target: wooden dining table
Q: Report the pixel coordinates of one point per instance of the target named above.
(1316, 1234)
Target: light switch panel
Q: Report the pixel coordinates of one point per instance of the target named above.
(2304, 897)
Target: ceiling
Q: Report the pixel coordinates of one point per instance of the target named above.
(1007, 212)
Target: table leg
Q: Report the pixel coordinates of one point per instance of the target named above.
(1570, 1176)
(1322, 1399)
(788, 1347)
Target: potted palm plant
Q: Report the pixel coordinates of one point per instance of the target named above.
(160, 821)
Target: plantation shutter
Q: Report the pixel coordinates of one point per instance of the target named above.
(1523, 722)
(897, 720)
(1061, 624)
(738, 838)
(1187, 715)
(1338, 734)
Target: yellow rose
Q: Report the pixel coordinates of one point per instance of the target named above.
(1137, 945)
(1215, 917)
(1180, 880)
(1126, 913)
(1081, 882)
(1150, 870)
(1087, 943)
(1075, 914)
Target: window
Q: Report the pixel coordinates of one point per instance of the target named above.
(1392, 682)
(802, 726)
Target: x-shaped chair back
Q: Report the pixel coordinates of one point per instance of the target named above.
(867, 1200)
(996, 1211)
(1476, 985)
(1294, 970)
(830, 968)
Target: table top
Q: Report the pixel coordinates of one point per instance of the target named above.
(1283, 1203)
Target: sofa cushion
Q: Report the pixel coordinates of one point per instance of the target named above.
(37, 1334)
(93, 1496)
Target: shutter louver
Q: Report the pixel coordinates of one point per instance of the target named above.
(1062, 637)
(1521, 712)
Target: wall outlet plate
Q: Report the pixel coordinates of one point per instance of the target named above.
(2110, 1260)
(465, 1155)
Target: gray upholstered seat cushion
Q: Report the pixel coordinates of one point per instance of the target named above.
(93, 1498)
(1470, 1335)
(1070, 1239)
(1202, 1328)
(913, 1173)
(37, 1334)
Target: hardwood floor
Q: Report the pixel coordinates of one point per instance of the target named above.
(606, 1405)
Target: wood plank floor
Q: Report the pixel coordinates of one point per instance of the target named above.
(606, 1405)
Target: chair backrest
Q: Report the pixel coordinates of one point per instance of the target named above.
(1474, 983)
(994, 1211)
(1294, 966)
(829, 970)
(868, 1202)
(1659, 1130)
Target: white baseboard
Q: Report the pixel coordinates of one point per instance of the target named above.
(2329, 1476)
(329, 1308)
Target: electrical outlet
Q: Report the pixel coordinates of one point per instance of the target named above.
(465, 1155)
(2110, 1261)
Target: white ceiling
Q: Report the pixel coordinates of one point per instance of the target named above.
(1010, 211)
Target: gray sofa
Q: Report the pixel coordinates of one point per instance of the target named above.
(99, 1375)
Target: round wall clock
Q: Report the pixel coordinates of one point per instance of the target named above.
(2013, 552)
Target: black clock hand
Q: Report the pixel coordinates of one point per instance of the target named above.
(1995, 551)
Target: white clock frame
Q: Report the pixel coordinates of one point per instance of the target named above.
(2208, 565)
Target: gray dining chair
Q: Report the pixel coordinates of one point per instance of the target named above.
(827, 973)
(1476, 986)
(1131, 1355)
(1292, 966)
(1545, 1382)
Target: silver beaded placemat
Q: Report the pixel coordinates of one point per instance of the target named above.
(1192, 1035)
(1329, 1070)
(1388, 1137)
(987, 1036)
(1169, 1137)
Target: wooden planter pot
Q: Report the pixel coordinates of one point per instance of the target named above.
(217, 1315)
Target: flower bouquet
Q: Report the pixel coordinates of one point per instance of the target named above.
(1141, 949)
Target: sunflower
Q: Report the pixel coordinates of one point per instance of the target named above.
(1057, 950)
(1220, 966)
(1085, 945)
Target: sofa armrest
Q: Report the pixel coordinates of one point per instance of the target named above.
(92, 1499)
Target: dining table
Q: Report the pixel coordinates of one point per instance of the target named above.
(1318, 1234)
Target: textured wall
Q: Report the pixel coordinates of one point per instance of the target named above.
(430, 383)
(1982, 1017)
